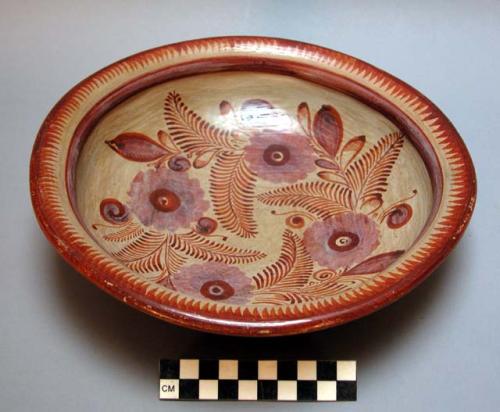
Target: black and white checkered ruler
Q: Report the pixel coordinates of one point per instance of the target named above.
(244, 380)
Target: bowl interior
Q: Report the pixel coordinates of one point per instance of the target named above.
(245, 188)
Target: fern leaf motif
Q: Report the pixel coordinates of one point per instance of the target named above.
(192, 133)
(232, 186)
(172, 263)
(320, 198)
(292, 269)
(368, 175)
(145, 245)
(313, 292)
(128, 233)
(199, 247)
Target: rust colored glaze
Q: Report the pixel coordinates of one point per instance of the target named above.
(175, 219)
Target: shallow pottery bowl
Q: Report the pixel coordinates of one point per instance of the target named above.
(250, 186)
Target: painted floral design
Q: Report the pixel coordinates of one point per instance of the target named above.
(326, 189)
(342, 240)
(280, 157)
(214, 281)
(165, 199)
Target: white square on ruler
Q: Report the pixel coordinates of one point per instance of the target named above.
(287, 390)
(247, 390)
(268, 370)
(327, 391)
(306, 370)
(228, 369)
(169, 388)
(346, 370)
(209, 389)
(189, 369)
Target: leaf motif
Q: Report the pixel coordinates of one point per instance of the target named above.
(199, 247)
(125, 234)
(292, 269)
(368, 175)
(332, 177)
(304, 117)
(192, 133)
(328, 129)
(137, 147)
(149, 264)
(166, 140)
(351, 149)
(313, 292)
(158, 263)
(320, 198)
(327, 164)
(145, 245)
(376, 264)
(203, 159)
(232, 187)
(172, 262)
(372, 204)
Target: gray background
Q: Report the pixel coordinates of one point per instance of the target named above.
(65, 345)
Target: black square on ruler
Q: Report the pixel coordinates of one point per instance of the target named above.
(326, 370)
(267, 390)
(228, 389)
(189, 388)
(209, 369)
(307, 390)
(287, 370)
(169, 369)
(247, 370)
(346, 390)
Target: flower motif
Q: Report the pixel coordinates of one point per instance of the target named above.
(280, 157)
(342, 240)
(166, 199)
(213, 281)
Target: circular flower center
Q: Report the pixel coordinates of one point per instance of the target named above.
(276, 155)
(164, 200)
(217, 290)
(343, 241)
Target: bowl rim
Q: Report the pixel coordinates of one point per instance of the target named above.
(46, 195)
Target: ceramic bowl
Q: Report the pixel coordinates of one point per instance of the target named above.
(250, 186)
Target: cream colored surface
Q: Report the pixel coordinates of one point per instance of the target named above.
(287, 390)
(247, 390)
(346, 370)
(189, 368)
(228, 369)
(123, 72)
(306, 370)
(169, 388)
(327, 391)
(208, 389)
(268, 369)
(102, 173)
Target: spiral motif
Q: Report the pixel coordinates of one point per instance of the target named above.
(295, 221)
(206, 226)
(179, 164)
(399, 216)
(324, 274)
(113, 211)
